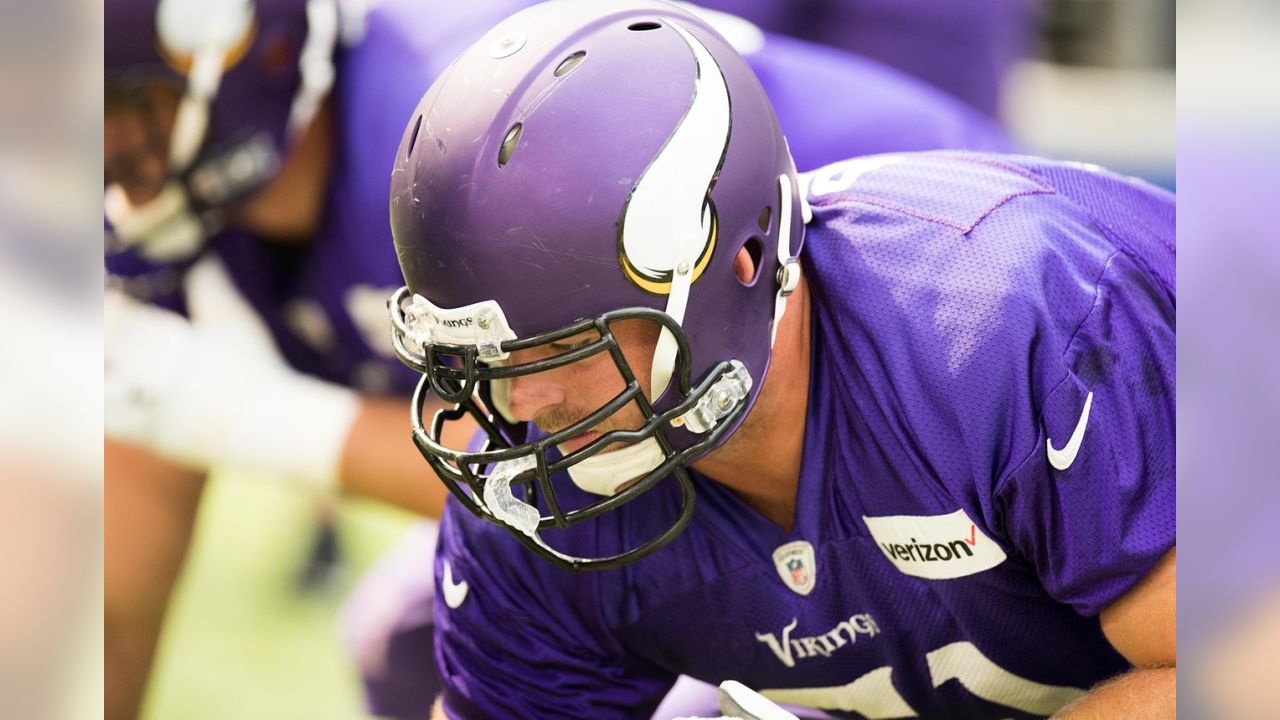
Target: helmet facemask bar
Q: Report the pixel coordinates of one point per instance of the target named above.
(466, 382)
(465, 478)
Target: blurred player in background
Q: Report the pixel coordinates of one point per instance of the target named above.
(961, 46)
(246, 152)
(262, 136)
(933, 455)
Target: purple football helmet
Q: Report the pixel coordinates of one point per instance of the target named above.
(251, 75)
(628, 149)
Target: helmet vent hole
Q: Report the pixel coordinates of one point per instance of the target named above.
(509, 144)
(763, 220)
(643, 26)
(746, 266)
(413, 137)
(569, 63)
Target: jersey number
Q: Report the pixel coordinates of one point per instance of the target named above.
(874, 696)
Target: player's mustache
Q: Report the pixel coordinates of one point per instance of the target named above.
(555, 419)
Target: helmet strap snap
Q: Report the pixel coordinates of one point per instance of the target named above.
(788, 264)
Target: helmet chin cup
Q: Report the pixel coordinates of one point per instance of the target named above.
(607, 472)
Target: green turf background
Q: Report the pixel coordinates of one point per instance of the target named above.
(241, 641)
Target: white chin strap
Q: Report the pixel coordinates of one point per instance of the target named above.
(191, 123)
(788, 266)
(664, 355)
(500, 394)
(606, 473)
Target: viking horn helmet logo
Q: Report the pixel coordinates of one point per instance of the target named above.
(669, 213)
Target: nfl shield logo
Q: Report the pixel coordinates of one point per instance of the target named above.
(796, 566)
(799, 576)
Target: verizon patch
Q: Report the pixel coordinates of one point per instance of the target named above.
(935, 546)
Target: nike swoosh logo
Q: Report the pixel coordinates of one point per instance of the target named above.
(454, 593)
(1062, 459)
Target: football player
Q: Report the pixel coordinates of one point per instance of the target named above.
(831, 105)
(923, 404)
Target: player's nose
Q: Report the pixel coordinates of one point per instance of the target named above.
(530, 394)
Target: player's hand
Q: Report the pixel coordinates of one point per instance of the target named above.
(739, 702)
(214, 390)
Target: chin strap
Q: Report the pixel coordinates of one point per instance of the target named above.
(682, 278)
(606, 473)
(664, 355)
(788, 265)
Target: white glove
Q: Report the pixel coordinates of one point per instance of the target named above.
(739, 702)
(213, 390)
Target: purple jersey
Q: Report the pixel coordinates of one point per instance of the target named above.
(988, 463)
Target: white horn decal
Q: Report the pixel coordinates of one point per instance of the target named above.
(669, 219)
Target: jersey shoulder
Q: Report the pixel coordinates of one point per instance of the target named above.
(1005, 229)
(954, 288)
